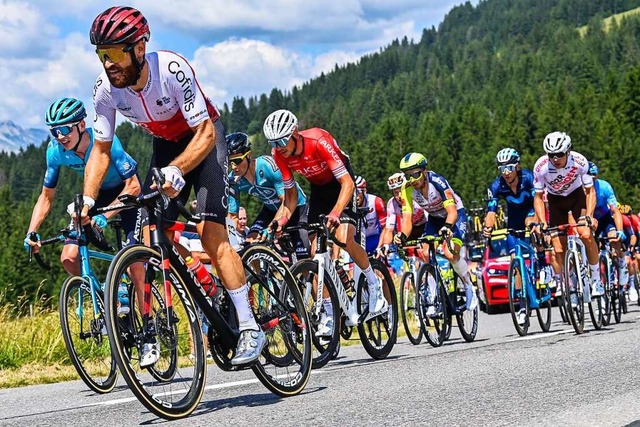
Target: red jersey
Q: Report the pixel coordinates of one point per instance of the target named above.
(320, 162)
(635, 222)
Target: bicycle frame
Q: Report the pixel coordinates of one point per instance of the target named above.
(525, 248)
(575, 245)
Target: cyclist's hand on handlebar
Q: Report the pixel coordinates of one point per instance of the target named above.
(382, 251)
(174, 181)
(84, 214)
(400, 239)
(30, 244)
(594, 222)
(99, 221)
(486, 231)
(333, 221)
(446, 232)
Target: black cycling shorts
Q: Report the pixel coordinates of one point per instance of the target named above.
(323, 198)
(209, 179)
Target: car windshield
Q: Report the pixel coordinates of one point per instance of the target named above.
(498, 248)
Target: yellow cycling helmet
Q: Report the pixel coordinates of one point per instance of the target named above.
(413, 161)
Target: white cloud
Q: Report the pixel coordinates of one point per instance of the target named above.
(23, 29)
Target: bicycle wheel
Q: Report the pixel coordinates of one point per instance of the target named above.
(305, 272)
(467, 319)
(596, 312)
(572, 290)
(378, 335)
(85, 335)
(606, 297)
(176, 326)
(408, 308)
(616, 304)
(434, 326)
(544, 315)
(284, 366)
(518, 298)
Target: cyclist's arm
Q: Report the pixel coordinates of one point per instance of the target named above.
(406, 198)
(452, 212)
(492, 206)
(385, 237)
(132, 187)
(617, 217)
(41, 208)
(103, 131)
(347, 188)
(538, 206)
(290, 201)
(97, 167)
(203, 141)
(591, 200)
(490, 219)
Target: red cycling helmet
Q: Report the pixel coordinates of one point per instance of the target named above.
(119, 24)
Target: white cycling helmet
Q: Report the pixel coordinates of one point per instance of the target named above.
(396, 180)
(507, 156)
(279, 124)
(557, 142)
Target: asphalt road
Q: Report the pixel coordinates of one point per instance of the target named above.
(557, 378)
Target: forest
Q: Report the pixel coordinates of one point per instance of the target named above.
(503, 73)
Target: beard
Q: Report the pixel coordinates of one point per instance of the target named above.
(128, 76)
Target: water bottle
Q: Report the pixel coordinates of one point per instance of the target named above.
(205, 279)
(342, 274)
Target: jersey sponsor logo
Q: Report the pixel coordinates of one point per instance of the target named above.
(312, 170)
(123, 107)
(198, 114)
(438, 180)
(164, 100)
(541, 164)
(330, 150)
(563, 182)
(126, 166)
(96, 86)
(185, 82)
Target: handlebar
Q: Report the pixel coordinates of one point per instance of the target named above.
(320, 227)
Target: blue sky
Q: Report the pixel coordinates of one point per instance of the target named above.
(237, 48)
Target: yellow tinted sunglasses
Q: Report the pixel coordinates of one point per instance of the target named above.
(115, 54)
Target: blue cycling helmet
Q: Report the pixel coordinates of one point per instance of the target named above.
(593, 169)
(65, 111)
(507, 156)
(238, 143)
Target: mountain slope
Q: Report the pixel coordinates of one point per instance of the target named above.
(14, 137)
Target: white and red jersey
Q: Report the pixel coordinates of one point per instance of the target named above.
(320, 162)
(169, 105)
(562, 181)
(394, 215)
(376, 217)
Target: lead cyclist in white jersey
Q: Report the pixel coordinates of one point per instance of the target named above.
(564, 174)
(159, 92)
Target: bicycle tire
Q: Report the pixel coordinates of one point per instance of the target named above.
(595, 312)
(408, 308)
(572, 273)
(435, 327)
(616, 304)
(623, 299)
(543, 312)
(89, 350)
(282, 314)
(608, 286)
(518, 301)
(378, 335)
(179, 396)
(304, 272)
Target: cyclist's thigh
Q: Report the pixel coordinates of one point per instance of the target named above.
(211, 182)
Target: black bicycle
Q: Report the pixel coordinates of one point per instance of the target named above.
(285, 363)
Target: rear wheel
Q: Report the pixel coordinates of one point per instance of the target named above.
(573, 292)
(85, 335)
(408, 308)
(608, 289)
(518, 302)
(544, 315)
(467, 319)
(434, 325)
(305, 273)
(378, 335)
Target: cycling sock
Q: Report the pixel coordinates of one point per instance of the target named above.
(462, 269)
(240, 298)
(328, 308)
(372, 279)
(595, 271)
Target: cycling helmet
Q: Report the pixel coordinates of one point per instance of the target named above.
(280, 124)
(119, 24)
(593, 169)
(238, 143)
(557, 142)
(396, 180)
(65, 111)
(412, 161)
(361, 183)
(507, 156)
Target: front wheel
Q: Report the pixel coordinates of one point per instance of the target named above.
(85, 336)
(518, 303)
(408, 308)
(379, 334)
(436, 321)
(544, 315)
(572, 292)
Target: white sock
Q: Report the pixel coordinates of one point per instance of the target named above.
(372, 279)
(595, 271)
(328, 308)
(240, 298)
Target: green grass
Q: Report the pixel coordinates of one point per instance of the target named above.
(610, 20)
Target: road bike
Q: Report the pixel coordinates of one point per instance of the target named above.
(409, 295)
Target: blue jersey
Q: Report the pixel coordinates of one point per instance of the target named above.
(268, 186)
(605, 198)
(520, 204)
(122, 165)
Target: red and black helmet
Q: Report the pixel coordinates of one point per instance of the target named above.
(119, 24)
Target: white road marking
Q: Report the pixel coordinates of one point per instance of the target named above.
(541, 335)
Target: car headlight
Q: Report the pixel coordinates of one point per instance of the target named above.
(497, 272)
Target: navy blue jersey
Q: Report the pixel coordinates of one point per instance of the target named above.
(520, 204)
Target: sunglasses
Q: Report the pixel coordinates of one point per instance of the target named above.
(413, 176)
(115, 54)
(556, 155)
(237, 160)
(63, 130)
(282, 142)
(507, 168)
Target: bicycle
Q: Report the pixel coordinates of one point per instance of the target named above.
(613, 294)
(525, 291)
(409, 294)
(577, 278)
(378, 334)
(285, 363)
(448, 299)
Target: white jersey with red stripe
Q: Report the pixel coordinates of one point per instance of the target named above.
(562, 181)
(394, 215)
(169, 105)
(376, 217)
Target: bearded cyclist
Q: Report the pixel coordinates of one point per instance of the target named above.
(159, 92)
(315, 155)
(447, 218)
(376, 215)
(261, 178)
(564, 173)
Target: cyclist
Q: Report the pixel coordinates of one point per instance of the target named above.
(159, 92)
(631, 227)
(315, 155)
(447, 217)
(261, 178)
(564, 174)
(70, 147)
(393, 223)
(376, 216)
(609, 220)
